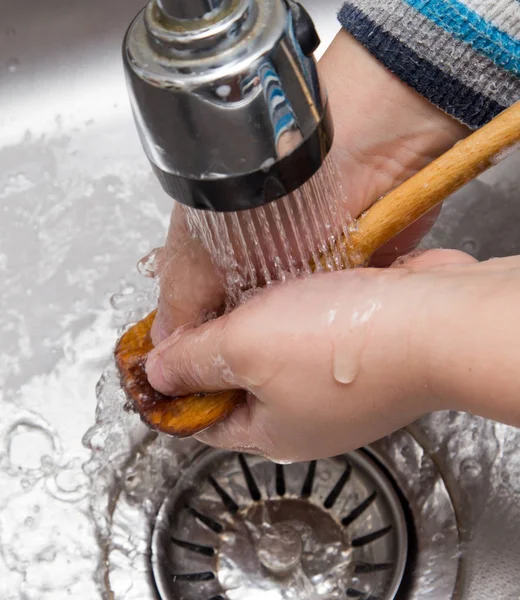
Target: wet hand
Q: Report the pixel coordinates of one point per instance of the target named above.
(331, 362)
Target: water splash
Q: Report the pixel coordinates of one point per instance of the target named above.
(42, 486)
(130, 471)
(147, 266)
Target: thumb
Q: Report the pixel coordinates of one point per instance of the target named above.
(192, 361)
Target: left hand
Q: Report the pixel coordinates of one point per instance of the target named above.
(332, 362)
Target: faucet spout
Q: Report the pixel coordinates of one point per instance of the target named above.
(188, 9)
(229, 106)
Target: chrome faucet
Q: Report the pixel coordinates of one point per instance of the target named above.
(227, 99)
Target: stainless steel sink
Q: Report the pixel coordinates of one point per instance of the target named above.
(80, 207)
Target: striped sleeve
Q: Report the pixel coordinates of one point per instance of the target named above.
(462, 55)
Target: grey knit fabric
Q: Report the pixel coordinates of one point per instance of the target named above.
(462, 56)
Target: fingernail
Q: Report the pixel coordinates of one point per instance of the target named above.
(155, 373)
(155, 369)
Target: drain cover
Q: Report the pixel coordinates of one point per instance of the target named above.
(242, 528)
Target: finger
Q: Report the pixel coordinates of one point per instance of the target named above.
(191, 289)
(238, 433)
(262, 429)
(190, 284)
(192, 361)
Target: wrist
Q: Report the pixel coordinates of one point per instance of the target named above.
(385, 131)
(467, 335)
(395, 350)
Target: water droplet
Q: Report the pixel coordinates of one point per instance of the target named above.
(267, 164)
(48, 554)
(345, 365)
(47, 464)
(29, 522)
(223, 91)
(128, 289)
(12, 65)
(70, 484)
(117, 301)
(147, 266)
(345, 356)
(28, 445)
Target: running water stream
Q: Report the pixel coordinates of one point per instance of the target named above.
(280, 241)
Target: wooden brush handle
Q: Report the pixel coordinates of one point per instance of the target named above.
(414, 198)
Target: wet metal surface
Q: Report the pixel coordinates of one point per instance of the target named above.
(272, 532)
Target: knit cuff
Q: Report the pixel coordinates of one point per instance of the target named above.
(464, 58)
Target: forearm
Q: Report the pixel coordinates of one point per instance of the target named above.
(385, 131)
(471, 340)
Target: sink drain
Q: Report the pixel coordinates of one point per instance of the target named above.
(236, 528)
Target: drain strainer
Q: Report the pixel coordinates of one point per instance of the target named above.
(242, 528)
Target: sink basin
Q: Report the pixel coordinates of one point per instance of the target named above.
(80, 208)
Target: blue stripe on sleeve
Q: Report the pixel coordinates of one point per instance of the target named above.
(276, 93)
(286, 122)
(466, 25)
(440, 88)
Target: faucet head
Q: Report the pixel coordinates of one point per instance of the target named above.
(227, 99)
(191, 9)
